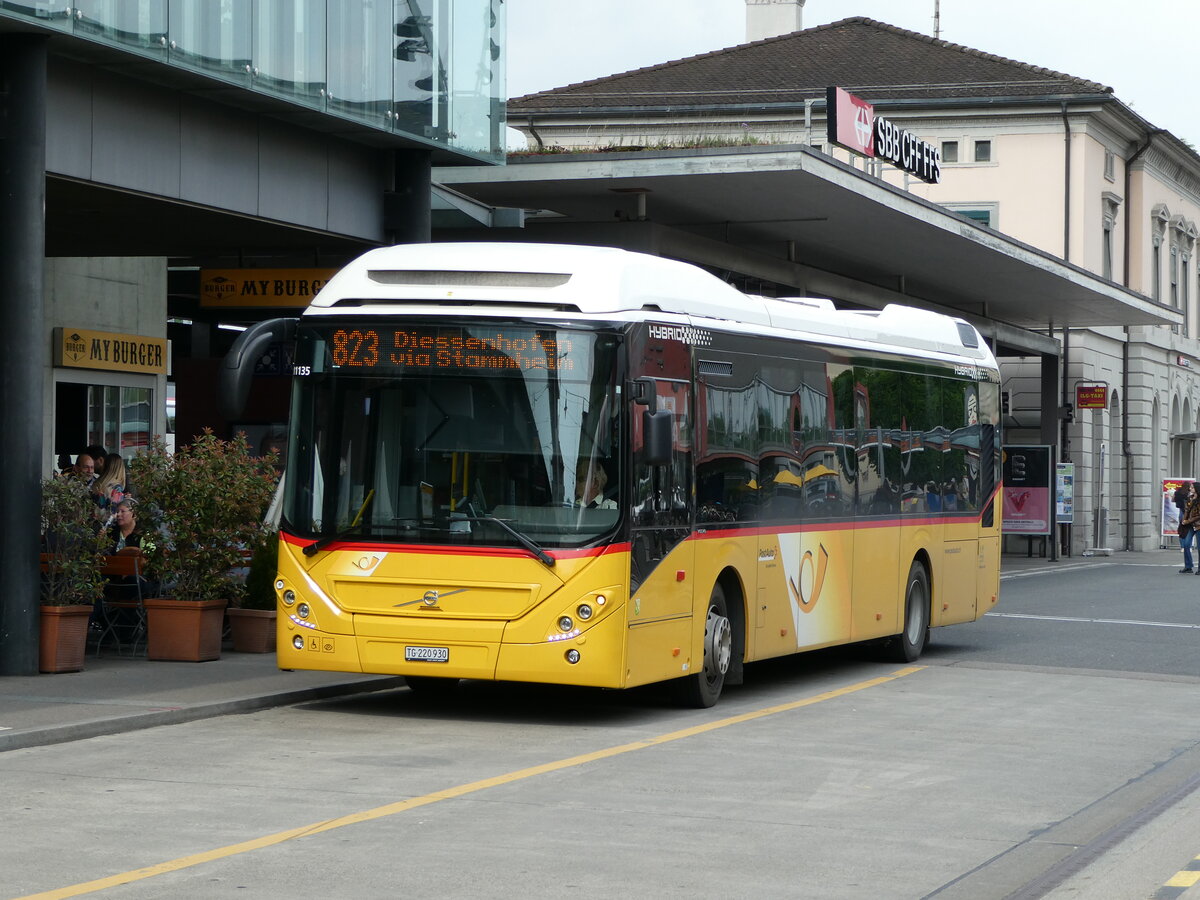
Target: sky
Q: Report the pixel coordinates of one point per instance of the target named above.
(1144, 50)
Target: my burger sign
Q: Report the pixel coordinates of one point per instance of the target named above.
(852, 123)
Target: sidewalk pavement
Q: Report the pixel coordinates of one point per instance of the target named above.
(113, 694)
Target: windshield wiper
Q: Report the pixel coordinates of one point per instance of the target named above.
(321, 543)
(522, 539)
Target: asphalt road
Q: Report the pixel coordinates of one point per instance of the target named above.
(1050, 749)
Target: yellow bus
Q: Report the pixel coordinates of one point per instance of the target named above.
(585, 466)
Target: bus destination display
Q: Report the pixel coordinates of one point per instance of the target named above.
(496, 350)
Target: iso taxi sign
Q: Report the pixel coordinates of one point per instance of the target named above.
(1091, 396)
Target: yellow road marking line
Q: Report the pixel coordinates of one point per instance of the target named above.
(391, 809)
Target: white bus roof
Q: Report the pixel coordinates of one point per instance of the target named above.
(611, 283)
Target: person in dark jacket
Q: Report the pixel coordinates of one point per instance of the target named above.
(1189, 521)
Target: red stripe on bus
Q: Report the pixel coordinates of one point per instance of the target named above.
(511, 552)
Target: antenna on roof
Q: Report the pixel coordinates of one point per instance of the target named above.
(937, 20)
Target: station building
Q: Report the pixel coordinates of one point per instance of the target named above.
(1031, 160)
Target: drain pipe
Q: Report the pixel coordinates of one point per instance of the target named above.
(1066, 183)
(1126, 446)
(1064, 454)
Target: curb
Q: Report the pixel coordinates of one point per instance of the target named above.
(60, 734)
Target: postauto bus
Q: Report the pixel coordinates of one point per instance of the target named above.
(585, 466)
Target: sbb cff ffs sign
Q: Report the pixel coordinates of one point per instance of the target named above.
(851, 123)
(1091, 397)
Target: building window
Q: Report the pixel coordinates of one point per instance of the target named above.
(983, 151)
(985, 214)
(1183, 293)
(1183, 248)
(1110, 165)
(949, 151)
(1173, 275)
(1156, 269)
(1106, 266)
(119, 418)
(1110, 203)
(1159, 216)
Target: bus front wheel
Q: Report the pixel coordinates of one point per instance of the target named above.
(702, 689)
(907, 646)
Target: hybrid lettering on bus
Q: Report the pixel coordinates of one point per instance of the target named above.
(587, 466)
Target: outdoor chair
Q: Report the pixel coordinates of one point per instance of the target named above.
(123, 613)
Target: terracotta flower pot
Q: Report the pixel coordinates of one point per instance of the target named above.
(63, 642)
(253, 630)
(184, 630)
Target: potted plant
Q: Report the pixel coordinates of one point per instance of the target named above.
(253, 615)
(206, 502)
(71, 578)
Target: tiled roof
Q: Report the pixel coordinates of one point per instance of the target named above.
(872, 59)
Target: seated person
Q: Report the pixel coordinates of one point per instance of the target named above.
(590, 480)
(124, 623)
(84, 468)
(123, 532)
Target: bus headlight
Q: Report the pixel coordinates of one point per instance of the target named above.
(279, 585)
(298, 642)
(565, 623)
(572, 656)
(584, 612)
(289, 597)
(303, 610)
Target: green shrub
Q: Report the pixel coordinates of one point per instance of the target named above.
(206, 503)
(260, 582)
(74, 543)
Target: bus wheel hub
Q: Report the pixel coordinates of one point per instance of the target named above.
(718, 644)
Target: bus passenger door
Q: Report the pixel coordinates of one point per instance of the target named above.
(662, 576)
(877, 586)
(955, 599)
(987, 575)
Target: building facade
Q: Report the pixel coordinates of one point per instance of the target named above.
(1054, 161)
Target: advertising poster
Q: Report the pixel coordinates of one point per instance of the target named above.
(1064, 494)
(1027, 488)
(1170, 512)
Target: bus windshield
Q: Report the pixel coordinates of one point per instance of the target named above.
(484, 432)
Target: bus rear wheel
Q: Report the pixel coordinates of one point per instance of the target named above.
(908, 645)
(704, 688)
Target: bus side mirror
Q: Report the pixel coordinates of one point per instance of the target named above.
(657, 424)
(657, 428)
(233, 379)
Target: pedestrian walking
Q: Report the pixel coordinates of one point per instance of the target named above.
(1189, 520)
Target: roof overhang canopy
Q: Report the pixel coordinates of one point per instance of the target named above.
(838, 222)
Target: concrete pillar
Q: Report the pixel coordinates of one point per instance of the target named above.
(1049, 382)
(22, 322)
(407, 215)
